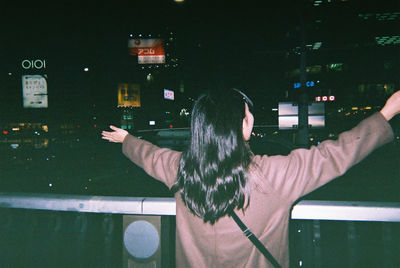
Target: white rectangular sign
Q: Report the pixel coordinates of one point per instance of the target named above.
(169, 94)
(289, 115)
(34, 91)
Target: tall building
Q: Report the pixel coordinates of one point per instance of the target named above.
(352, 55)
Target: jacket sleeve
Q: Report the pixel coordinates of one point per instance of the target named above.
(304, 170)
(160, 163)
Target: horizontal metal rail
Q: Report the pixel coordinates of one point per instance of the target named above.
(92, 204)
(346, 211)
(304, 210)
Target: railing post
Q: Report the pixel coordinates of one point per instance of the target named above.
(317, 243)
(352, 245)
(107, 228)
(31, 221)
(387, 237)
(81, 245)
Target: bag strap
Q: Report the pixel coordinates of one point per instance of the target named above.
(249, 234)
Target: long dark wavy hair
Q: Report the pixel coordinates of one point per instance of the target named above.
(212, 174)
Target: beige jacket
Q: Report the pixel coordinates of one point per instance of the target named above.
(276, 183)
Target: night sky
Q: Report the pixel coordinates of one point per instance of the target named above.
(228, 44)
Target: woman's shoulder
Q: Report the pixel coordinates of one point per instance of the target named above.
(257, 176)
(264, 170)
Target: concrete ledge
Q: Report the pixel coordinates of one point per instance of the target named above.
(78, 203)
(304, 210)
(346, 211)
(159, 206)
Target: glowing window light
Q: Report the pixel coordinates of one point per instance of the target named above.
(387, 40)
(317, 45)
(388, 16)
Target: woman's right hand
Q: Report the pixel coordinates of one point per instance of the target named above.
(117, 135)
(392, 106)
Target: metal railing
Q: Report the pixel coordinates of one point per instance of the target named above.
(86, 203)
(49, 230)
(345, 234)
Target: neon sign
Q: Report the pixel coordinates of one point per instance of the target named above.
(33, 64)
(324, 98)
(308, 84)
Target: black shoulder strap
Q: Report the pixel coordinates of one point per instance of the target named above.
(255, 241)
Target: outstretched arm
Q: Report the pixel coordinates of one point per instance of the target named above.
(160, 163)
(302, 171)
(392, 106)
(117, 135)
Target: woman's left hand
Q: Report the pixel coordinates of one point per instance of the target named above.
(117, 135)
(392, 106)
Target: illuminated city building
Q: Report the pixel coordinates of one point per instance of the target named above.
(351, 58)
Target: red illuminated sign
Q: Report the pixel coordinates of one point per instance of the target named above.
(148, 50)
(324, 98)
